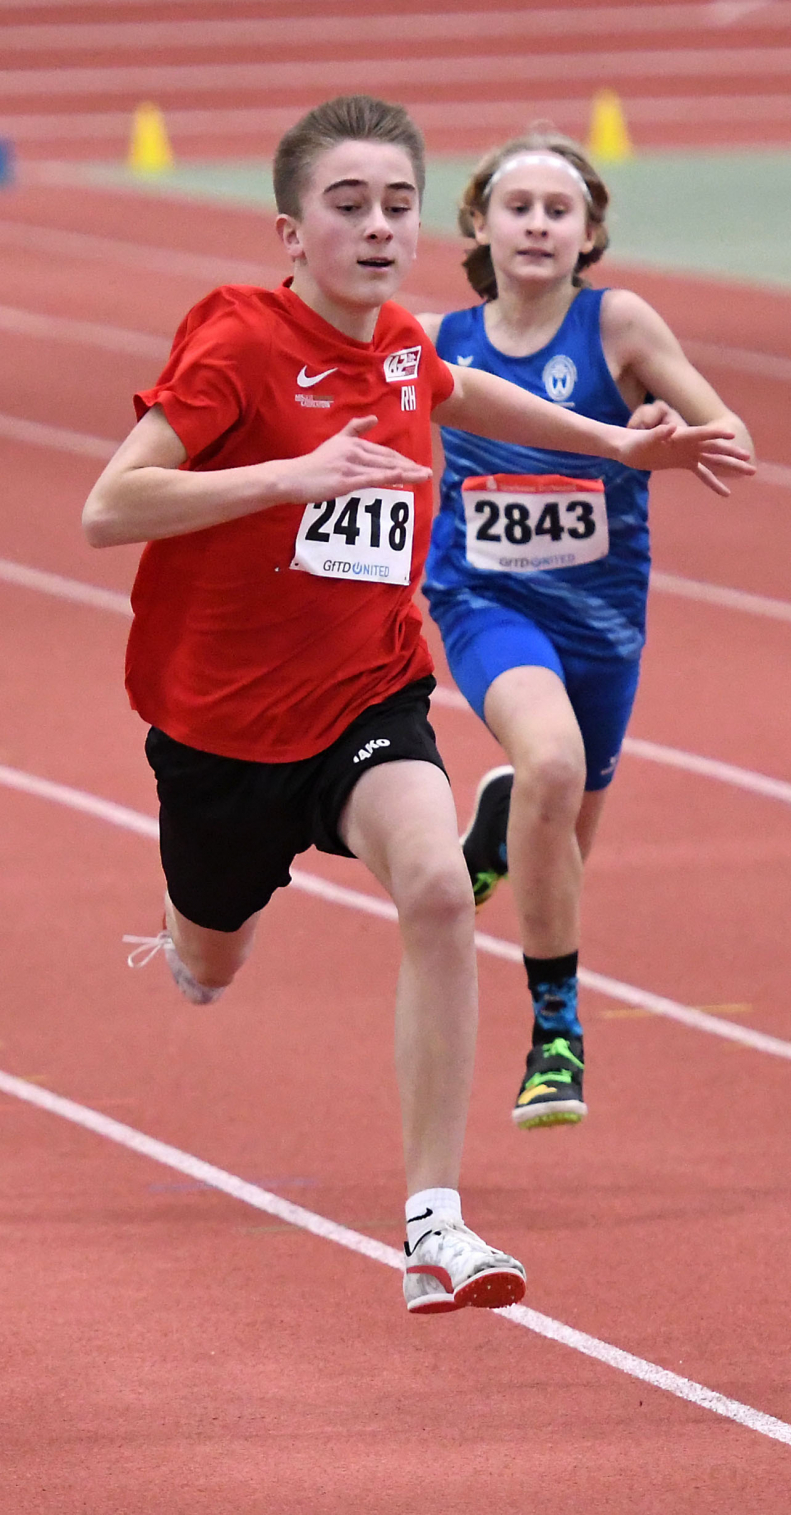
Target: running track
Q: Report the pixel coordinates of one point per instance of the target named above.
(175, 1342)
(716, 71)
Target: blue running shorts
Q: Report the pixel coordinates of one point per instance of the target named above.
(483, 639)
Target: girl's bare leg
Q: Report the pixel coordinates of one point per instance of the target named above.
(529, 712)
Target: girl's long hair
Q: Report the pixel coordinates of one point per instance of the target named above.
(477, 262)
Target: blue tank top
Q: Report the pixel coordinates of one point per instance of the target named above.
(594, 610)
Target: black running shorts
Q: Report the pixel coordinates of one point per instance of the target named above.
(229, 830)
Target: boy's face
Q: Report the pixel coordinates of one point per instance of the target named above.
(356, 236)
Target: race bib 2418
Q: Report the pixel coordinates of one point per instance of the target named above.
(527, 523)
(365, 537)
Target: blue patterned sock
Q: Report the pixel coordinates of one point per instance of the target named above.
(553, 986)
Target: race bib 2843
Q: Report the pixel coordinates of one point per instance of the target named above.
(365, 537)
(527, 523)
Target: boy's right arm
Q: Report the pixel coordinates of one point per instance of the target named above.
(144, 494)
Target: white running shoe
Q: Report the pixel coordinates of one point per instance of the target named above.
(148, 947)
(451, 1267)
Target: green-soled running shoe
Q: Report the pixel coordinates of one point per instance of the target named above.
(484, 841)
(551, 1092)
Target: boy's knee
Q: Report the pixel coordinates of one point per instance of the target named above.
(437, 896)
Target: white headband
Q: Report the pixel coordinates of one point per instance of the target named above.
(556, 160)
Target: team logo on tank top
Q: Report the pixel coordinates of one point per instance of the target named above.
(559, 377)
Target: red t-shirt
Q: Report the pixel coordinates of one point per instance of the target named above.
(231, 650)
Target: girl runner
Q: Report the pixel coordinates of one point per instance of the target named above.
(280, 476)
(543, 623)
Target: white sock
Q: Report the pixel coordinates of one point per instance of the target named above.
(427, 1206)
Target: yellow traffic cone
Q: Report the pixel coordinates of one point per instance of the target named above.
(609, 138)
(149, 145)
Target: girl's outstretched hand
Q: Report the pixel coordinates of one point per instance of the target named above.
(707, 451)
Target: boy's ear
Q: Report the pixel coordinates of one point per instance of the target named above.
(288, 231)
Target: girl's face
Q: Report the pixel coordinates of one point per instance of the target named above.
(536, 224)
(356, 235)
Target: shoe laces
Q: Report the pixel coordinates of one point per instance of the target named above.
(454, 1239)
(147, 947)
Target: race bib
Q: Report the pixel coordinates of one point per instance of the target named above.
(529, 523)
(365, 536)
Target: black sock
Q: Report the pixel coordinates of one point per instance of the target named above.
(549, 970)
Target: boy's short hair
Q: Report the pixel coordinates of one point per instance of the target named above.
(348, 118)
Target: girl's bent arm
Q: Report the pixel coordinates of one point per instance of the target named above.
(144, 494)
(639, 343)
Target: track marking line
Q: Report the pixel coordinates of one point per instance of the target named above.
(673, 757)
(366, 1246)
(32, 323)
(302, 78)
(161, 260)
(112, 338)
(368, 904)
(431, 25)
(61, 129)
(60, 438)
(673, 16)
(81, 593)
(86, 245)
(719, 594)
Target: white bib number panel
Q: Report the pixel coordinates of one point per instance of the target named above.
(365, 537)
(535, 522)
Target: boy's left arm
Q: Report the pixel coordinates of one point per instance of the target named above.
(491, 407)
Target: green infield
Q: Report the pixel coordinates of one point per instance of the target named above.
(721, 213)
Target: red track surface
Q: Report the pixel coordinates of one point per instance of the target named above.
(170, 1350)
(71, 75)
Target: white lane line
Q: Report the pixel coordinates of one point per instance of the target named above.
(64, 589)
(767, 365)
(368, 904)
(672, 757)
(157, 260)
(277, 31)
(718, 594)
(145, 344)
(595, 19)
(710, 768)
(31, 323)
(16, 429)
(304, 77)
(366, 1246)
(272, 120)
(726, 773)
(84, 245)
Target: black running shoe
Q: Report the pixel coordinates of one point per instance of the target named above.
(484, 841)
(551, 1092)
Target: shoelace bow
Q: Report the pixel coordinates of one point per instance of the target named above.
(147, 947)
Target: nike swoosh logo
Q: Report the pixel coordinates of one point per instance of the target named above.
(427, 1214)
(465, 362)
(305, 383)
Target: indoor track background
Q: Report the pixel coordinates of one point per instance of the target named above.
(172, 1341)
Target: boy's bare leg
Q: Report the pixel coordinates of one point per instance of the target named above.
(401, 821)
(212, 957)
